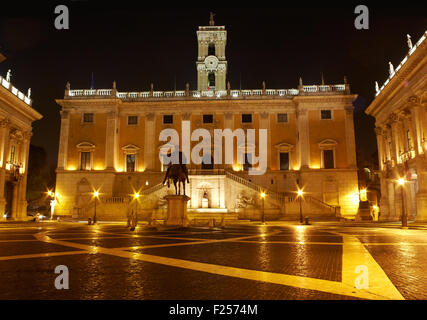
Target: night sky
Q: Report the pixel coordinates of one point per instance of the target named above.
(135, 45)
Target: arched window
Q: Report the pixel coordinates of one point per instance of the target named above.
(211, 50)
(211, 79)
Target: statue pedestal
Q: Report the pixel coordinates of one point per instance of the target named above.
(205, 204)
(177, 211)
(364, 213)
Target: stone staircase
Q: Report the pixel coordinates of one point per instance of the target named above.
(288, 202)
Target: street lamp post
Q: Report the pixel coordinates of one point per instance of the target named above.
(300, 194)
(136, 197)
(96, 195)
(402, 183)
(263, 211)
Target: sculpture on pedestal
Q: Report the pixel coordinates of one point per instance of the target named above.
(178, 173)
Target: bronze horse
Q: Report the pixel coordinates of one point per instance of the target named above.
(178, 173)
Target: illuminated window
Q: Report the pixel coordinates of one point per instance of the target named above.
(130, 163)
(326, 115)
(132, 120)
(85, 161)
(88, 118)
(282, 118)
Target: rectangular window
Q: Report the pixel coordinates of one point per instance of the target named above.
(284, 161)
(88, 118)
(168, 119)
(130, 162)
(132, 120)
(12, 154)
(85, 161)
(282, 118)
(328, 159)
(208, 119)
(326, 115)
(246, 118)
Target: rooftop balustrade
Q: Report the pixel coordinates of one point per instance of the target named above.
(8, 85)
(210, 94)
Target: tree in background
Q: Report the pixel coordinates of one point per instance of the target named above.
(41, 175)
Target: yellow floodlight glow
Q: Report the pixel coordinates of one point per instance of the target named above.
(96, 194)
(401, 182)
(300, 193)
(136, 196)
(364, 195)
(263, 195)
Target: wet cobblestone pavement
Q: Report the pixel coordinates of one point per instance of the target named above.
(242, 262)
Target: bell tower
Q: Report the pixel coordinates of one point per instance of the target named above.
(211, 62)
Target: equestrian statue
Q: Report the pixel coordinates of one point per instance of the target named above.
(178, 173)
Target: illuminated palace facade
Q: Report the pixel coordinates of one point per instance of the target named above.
(109, 141)
(400, 109)
(16, 118)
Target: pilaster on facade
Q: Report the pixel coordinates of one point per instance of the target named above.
(149, 142)
(303, 139)
(63, 140)
(350, 137)
(111, 147)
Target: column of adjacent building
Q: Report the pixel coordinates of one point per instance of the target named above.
(24, 152)
(111, 149)
(4, 147)
(264, 124)
(418, 127)
(149, 142)
(350, 137)
(382, 155)
(303, 139)
(381, 147)
(63, 140)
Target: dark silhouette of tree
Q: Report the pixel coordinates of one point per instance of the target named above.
(41, 176)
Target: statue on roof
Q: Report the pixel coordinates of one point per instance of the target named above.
(29, 93)
(212, 21)
(8, 75)
(392, 71)
(410, 45)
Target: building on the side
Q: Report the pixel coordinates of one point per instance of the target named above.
(16, 118)
(401, 128)
(109, 141)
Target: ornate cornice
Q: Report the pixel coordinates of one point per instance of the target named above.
(4, 123)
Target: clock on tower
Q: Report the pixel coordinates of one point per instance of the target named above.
(211, 62)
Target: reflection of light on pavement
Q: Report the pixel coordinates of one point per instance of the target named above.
(301, 234)
(301, 258)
